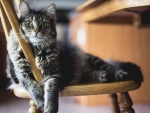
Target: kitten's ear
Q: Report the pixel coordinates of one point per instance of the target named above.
(23, 8)
(50, 10)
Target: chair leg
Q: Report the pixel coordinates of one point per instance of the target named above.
(114, 103)
(126, 103)
(33, 108)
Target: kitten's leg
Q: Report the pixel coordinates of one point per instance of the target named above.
(21, 70)
(51, 95)
(35, 91)
(93, 77)
(121, 75)
(106, 75)
(101, 71)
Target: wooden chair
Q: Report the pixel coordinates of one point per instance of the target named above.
(95, 89)
(89, 89)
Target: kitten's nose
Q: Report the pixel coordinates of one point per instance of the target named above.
(36, 30)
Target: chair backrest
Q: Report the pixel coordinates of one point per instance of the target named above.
(8, 11)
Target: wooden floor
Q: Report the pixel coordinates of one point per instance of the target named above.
(11, 104)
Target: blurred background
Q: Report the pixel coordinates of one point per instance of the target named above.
(114, 36)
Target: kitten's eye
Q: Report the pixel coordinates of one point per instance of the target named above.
(29, 23)
(45, 24)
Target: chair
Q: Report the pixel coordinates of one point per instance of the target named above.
(94, 89)
(123, 88)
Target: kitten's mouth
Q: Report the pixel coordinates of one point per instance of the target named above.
(37, 37)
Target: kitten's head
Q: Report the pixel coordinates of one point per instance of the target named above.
(37, 26)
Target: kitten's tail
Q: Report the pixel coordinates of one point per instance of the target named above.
(134, 71)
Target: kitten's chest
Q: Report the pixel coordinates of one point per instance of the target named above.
(45, 56)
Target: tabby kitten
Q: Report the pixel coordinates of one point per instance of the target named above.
(61, 63)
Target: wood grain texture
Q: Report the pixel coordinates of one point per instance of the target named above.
(10, 12)
(94, 89)
(89, 89)
(100, 10)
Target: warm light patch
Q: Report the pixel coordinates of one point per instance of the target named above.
(81, 36)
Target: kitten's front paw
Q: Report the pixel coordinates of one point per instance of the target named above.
(36, 92)
(121, 75)
(50, 107)
(39, 101)
(39, 104)
(103, 76)
(49, 110)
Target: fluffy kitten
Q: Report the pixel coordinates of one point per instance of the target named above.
(61, 63)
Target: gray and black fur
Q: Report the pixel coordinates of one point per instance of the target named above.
(61, 63)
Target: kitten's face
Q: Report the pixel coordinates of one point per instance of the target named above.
(37, 26)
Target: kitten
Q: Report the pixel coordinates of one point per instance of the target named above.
(61, 63)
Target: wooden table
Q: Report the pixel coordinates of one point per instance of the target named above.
(93, 10)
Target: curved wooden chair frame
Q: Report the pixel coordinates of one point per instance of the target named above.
(8, 15)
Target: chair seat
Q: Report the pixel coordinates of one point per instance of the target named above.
(89, 89)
